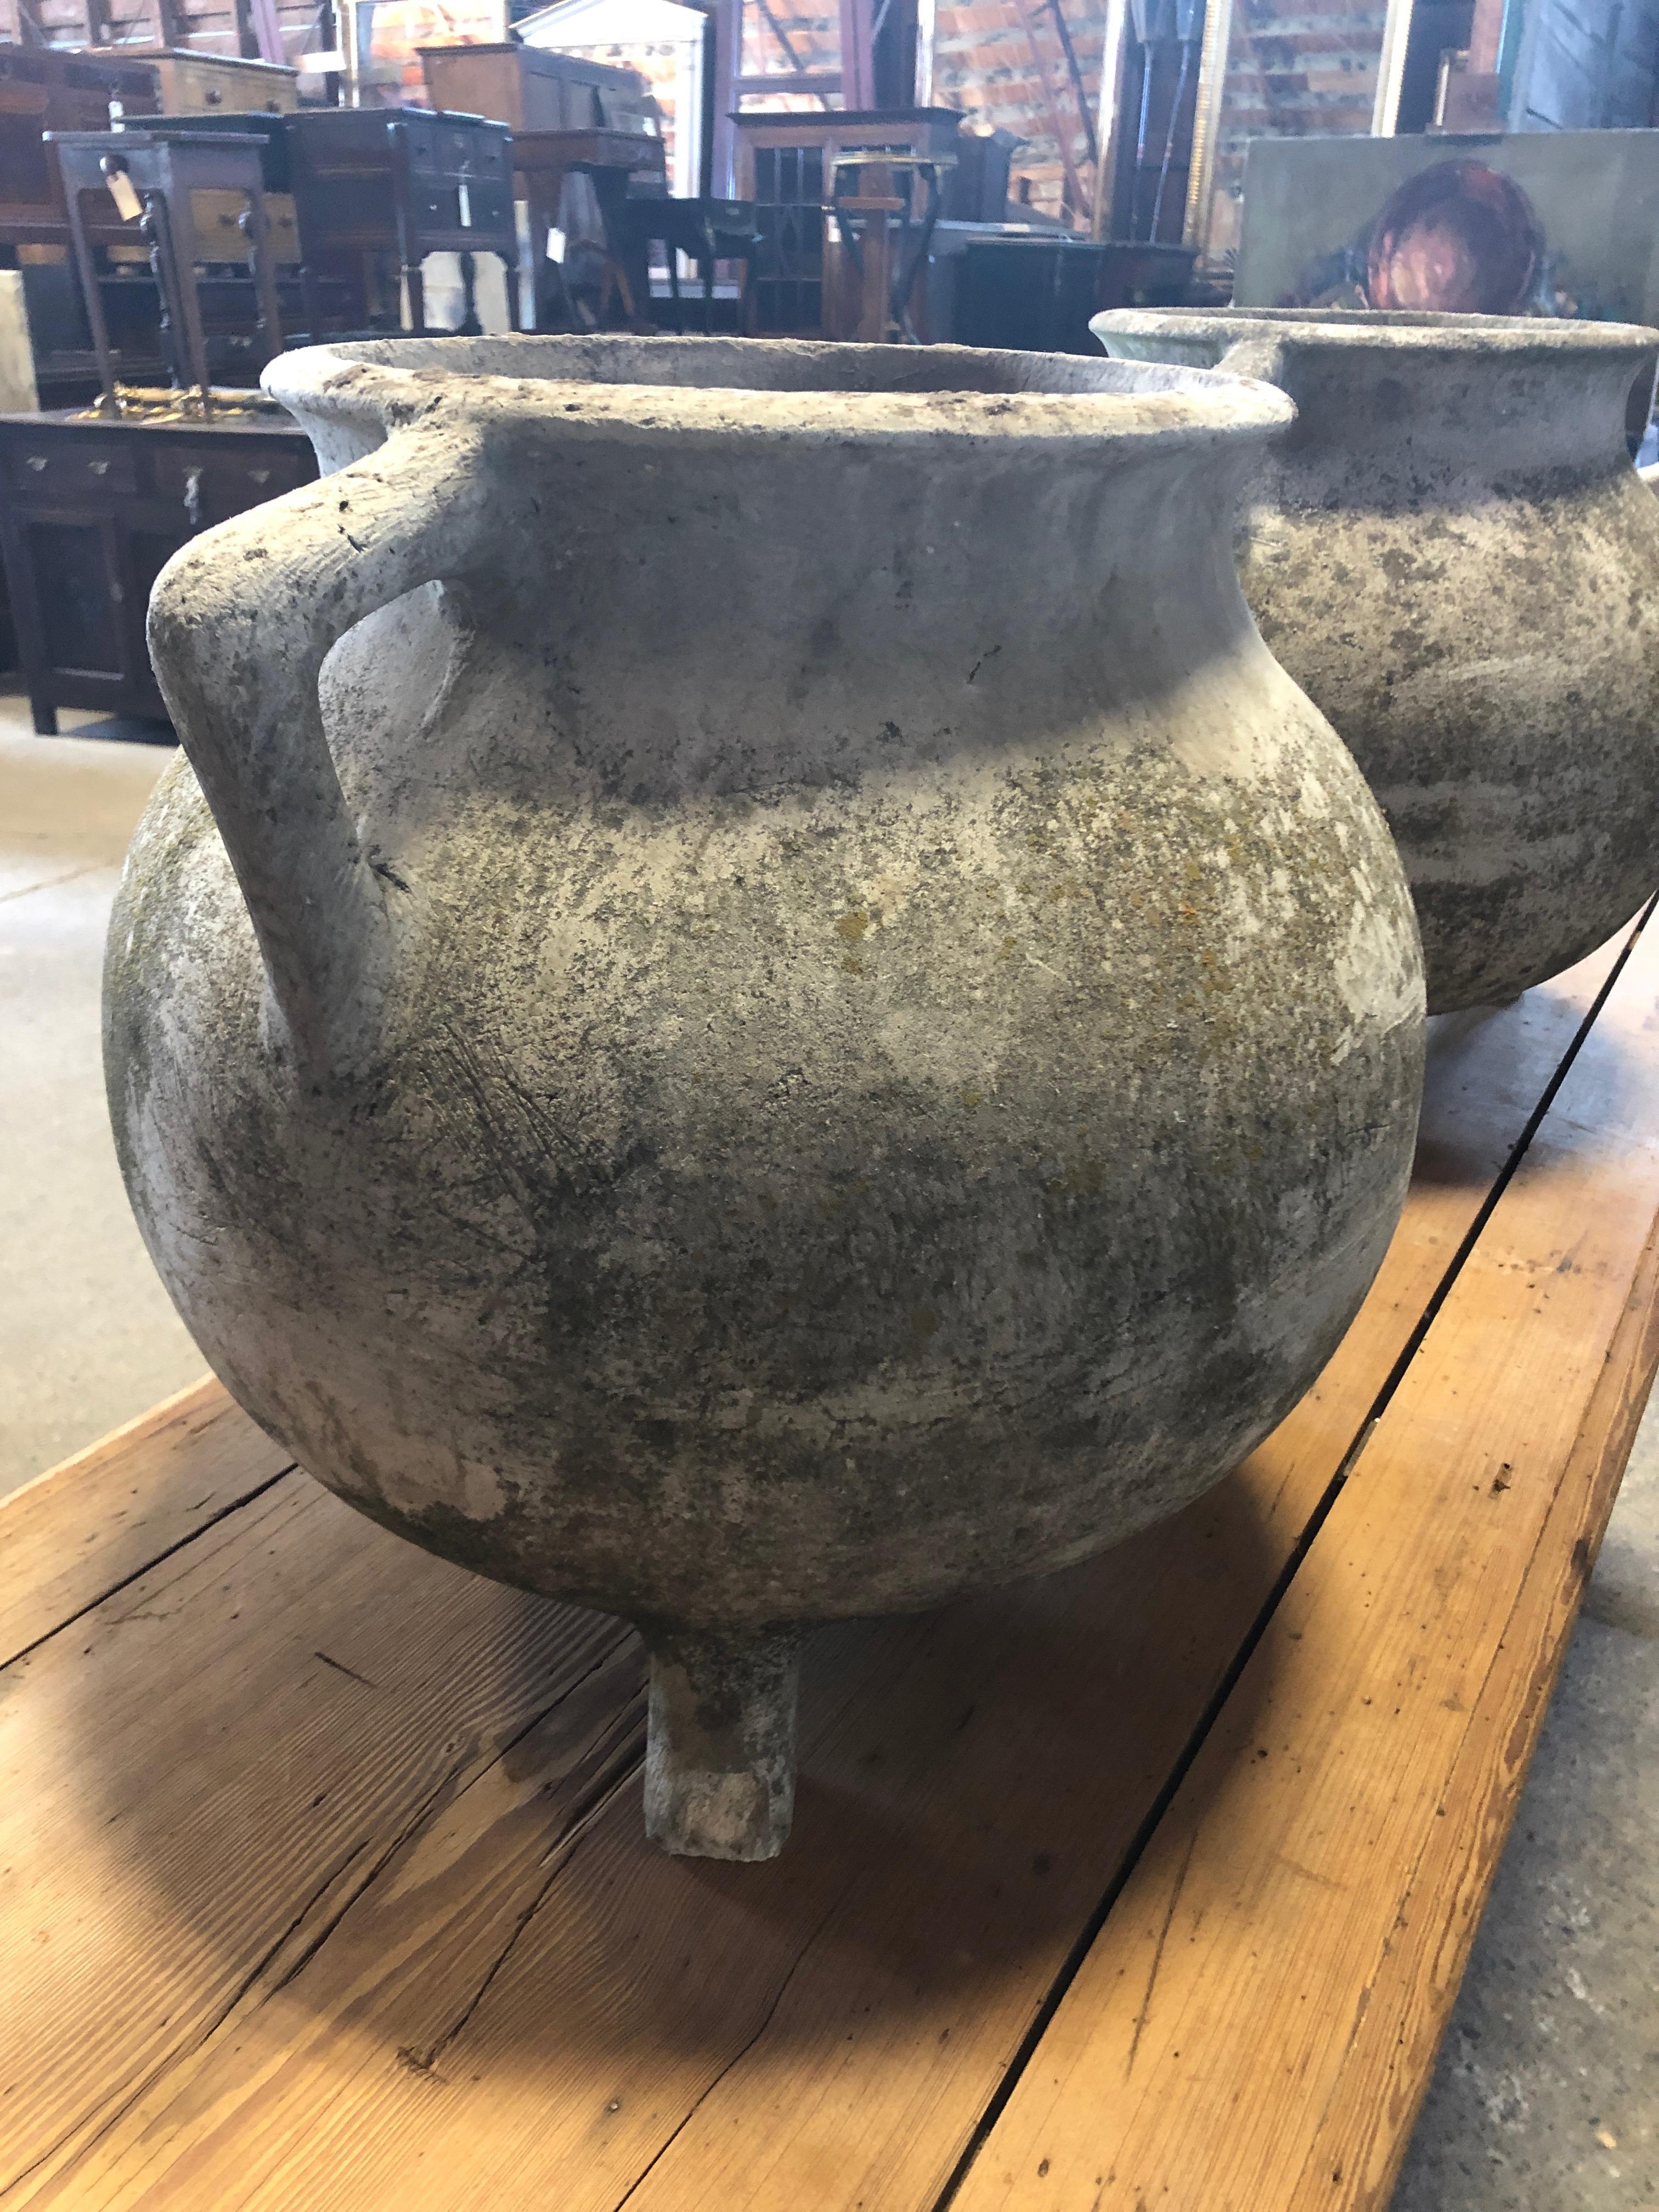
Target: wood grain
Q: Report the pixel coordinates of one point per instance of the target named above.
(1253, 2024)
(1364, 2131)
(77, 1532)
(196, 1777)
(372, 1921)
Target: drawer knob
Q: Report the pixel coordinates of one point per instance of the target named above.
(99, 468)
(37, 462)
(260, 476)
(193, 499)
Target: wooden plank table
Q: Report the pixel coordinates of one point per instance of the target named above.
(322, 1882)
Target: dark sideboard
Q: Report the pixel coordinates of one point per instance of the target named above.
(90, 509)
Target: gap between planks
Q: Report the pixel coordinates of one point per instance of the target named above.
(1298, 1925)
(1322, 1512)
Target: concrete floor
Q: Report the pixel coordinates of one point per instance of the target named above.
(1546, 2097)
(89, 1336)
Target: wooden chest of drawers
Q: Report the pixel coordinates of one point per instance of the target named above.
(89, 511)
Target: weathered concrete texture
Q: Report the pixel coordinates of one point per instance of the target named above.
(852, 1034)
(1452, 554)
(88, 1337)
(1547, 2096)
(1580, 1895)
(719, 1766)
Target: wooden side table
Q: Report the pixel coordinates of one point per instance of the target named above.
(368, 182)
(705, 230)
(43, 91)
(875, 250)
(151, 175)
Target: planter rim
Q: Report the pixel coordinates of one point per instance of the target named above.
(1407, 329)
(677, 387)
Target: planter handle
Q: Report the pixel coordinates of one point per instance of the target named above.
(1259, 354)
(240, 621)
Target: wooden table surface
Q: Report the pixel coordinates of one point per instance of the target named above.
(322, 1882)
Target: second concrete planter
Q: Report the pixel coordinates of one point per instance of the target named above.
(1452, 554)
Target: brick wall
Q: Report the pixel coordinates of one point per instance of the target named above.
(982, 63)
(814, 37)
(1297, 68)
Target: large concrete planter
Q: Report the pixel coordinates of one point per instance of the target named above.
(756, 1001)
(1452, 554)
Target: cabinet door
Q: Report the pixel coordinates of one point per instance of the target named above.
(78, 594)
(81, 586)
(788, 188)
(143, 555)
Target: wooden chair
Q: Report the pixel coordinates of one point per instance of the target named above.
(705, 230)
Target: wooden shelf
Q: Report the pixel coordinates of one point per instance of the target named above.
(1149, 1883)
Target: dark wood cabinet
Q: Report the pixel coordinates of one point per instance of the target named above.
(90, 511)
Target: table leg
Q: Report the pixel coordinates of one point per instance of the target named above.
(415, 283)
(408, 241)
(181, 251)
(94, 300)
(256, 230)
(554, 308)
(153, 224)
(632, 282)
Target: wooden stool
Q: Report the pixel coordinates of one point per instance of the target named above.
(884, 238)
(150, 175)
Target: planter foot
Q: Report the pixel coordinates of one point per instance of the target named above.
(720, 1758)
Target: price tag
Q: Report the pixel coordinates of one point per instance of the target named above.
(121, 191)
(466, 199)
